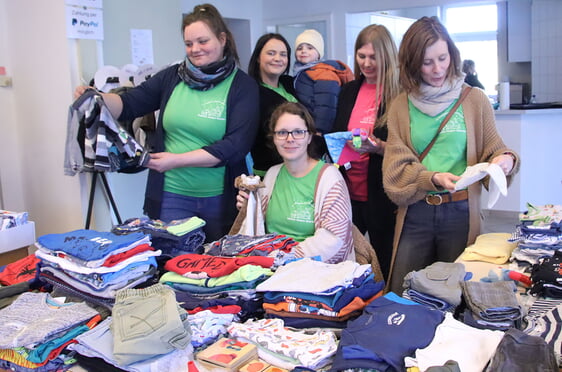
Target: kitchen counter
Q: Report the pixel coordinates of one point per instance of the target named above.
(549, 111)
(536, 135)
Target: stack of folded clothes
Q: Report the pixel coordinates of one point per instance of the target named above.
(307, 293)
(389, 329)
(538, 235)
(495, 248)
(259, 245)
(95, 265)
(172, 238)
(147, 331)
(437, 286)
(491, 305)
(539, 241)
(36, 328)
(285, 347)
(543, 320)
(547, 278)
(220, 284)
(470, 348)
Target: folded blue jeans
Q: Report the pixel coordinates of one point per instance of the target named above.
(148, 322)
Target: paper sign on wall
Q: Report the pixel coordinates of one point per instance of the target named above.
(84, 23)
(141, 47)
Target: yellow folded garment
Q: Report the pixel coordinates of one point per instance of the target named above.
(492, 247)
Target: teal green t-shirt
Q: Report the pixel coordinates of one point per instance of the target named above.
(282, 92)
(291, 208)
(193, 119)
(448, 154)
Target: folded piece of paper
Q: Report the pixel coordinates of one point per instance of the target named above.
(497, 184)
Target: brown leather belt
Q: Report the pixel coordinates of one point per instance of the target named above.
(438, 199)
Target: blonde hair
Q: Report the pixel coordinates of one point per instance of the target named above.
(386, 56)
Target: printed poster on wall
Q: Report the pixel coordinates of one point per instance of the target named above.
(141, 47)
(84, 22)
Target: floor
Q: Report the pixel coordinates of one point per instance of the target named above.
(499, 221)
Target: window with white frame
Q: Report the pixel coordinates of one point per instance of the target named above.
(474, 30)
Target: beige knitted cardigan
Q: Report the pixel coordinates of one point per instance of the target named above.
(407, 181)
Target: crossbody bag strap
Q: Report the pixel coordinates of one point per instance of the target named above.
(451, 112)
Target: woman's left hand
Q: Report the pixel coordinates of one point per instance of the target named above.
(505, 162)
(164, 161)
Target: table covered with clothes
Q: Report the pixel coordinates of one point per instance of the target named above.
(132, 300)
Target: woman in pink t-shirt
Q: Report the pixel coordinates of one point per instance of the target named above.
(362, 105)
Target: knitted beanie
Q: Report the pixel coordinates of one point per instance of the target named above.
(313, 38)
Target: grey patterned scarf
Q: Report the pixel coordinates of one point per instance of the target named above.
(208, 76)
(433, 100)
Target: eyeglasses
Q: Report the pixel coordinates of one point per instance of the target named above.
(296, 133)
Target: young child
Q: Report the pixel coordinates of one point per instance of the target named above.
(318, 82)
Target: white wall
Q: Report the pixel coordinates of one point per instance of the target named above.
(35, 51)
(11, 179)
(162, 17)
(546, 50)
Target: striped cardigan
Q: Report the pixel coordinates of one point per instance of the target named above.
(332, 239)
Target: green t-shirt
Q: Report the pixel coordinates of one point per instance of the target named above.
(291, 208)
(193, 119)
(448, 154)
(282, 92)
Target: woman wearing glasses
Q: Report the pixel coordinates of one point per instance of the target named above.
(304, 198)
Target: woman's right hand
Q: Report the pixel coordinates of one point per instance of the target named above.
(242, 199)
(113, 101)
(445, 180)
(80, 90)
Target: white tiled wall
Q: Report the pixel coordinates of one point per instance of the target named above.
(546, 49)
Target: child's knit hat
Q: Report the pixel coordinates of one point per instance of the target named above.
(313, 38)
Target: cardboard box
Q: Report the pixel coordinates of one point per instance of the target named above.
(17, 237)
(228, 354)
